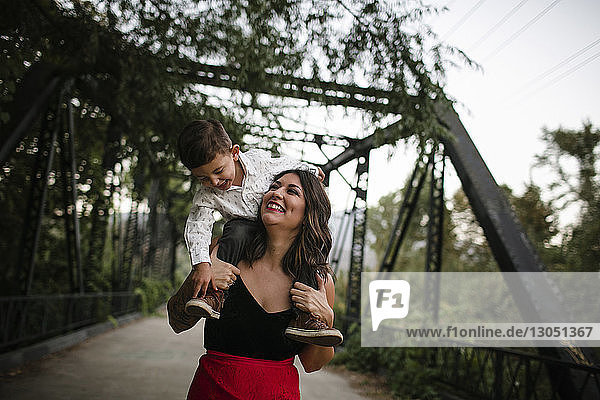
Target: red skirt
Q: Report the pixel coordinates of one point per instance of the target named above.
(222, 376)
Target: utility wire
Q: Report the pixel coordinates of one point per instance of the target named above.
(560, 64)
(463, 19)
(498, 24)
(522, 29)
(568, 72)
(448, 4)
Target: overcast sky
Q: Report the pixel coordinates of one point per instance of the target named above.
(541, 68)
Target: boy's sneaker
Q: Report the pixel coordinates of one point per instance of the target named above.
(308, 329)
(208, 306)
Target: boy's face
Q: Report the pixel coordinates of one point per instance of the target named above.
(220, 172)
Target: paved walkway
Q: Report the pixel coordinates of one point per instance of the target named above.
(142, 360)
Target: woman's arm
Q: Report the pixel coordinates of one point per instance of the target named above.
(320, 304)
(178, 319)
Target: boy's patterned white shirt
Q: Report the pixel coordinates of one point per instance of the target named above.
(236, 202)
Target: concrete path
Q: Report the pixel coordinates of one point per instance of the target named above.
(142, 360)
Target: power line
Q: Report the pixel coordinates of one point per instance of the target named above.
(523, 29)
(569, 72)
(448, 4)
(499, 24)
(463, 19)
(560, 64)
(557, 79)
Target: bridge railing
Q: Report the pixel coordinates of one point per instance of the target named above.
(495, 373)
(27, 319)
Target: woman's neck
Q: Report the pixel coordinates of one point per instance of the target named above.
(277, 245)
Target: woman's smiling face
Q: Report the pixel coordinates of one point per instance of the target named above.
(284, 203)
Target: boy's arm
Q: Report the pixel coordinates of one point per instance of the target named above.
(198, 232)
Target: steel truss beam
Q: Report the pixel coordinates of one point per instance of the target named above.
(507, 238)
(69, 178)
(339, 244)
(277, 135)
(53, 138)
(327, 93)
(435, 226)
(130, 244)
(434, 165)
(37, 196)
(435, 230)
(407, 208)
(359, 220)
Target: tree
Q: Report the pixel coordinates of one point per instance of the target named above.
(577, 186)
(411, 257)
(129, 65)
(540, 221)
(538, 218)
(465, 246)
(472, 249)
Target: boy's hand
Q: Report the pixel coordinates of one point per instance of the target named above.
(223, 274)
(200, 279)
(321, 174)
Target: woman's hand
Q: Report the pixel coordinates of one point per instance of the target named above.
(223, 274)
(313, 301)
(319, 303)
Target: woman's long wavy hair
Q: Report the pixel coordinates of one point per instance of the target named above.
(308, 252)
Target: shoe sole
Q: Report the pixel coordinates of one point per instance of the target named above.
(199, 308)
(324, 337)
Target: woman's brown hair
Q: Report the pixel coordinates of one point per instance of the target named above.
(308, 252)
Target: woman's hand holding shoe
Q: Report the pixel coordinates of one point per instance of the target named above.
(313, 301)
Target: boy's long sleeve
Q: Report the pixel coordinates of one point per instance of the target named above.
(283, 163)
(198, 233)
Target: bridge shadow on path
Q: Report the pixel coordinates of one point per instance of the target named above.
(141, 360)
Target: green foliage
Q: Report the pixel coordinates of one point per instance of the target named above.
(407, 370)
(113, 321)
(471, 248)
(465, 247)
(540, 221)
(411, 257)
(577, 187)
(153, 294)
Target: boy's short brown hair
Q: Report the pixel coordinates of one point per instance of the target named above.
(200, 142)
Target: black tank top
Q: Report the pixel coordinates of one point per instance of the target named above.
(246, 329)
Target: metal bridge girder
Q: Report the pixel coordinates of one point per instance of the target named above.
(359, 212)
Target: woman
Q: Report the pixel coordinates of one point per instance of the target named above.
(248, 355)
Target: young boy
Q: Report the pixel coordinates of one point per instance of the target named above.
(233, 183)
